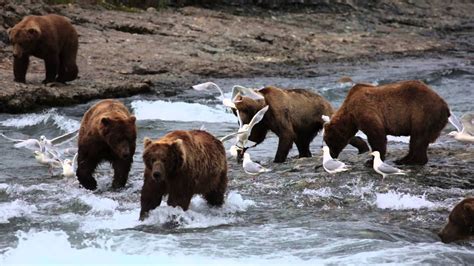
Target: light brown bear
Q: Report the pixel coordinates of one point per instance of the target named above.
(51, 38)
(406, 108)
(107, 133)
(294, 116)
(181, 164)
(460, 222)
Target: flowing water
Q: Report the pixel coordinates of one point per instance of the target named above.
(296, 214)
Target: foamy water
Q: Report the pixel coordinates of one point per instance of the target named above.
(297, 214)
(180, 111)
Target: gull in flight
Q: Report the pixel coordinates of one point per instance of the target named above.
(68, 166)
(383, 168)
(42, 144)
(331, 165)
(253, 168)
(465, 128)
(236, 90)
(245, 129)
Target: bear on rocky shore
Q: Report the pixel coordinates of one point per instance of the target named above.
(460, 222)
(51, 38)
(107, 133)
(406, 108)
(294, 115)
(182, 164)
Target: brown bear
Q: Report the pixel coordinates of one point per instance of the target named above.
(51, 38)
(460, 222)
(406, 108)
(294, 115)
(107, 132)
(181, 164)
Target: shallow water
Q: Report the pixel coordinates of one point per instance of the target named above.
(295, 214)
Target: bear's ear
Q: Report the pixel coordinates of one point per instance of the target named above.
(34, 32)
(179, 146)
(105, 121)
(469, 208)
(146, 142)
(133, 119)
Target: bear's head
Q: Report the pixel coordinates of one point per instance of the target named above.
(335, 139)
(24, 38)
(247, 108)
(120, 134)
(460, 222)
(163, 158)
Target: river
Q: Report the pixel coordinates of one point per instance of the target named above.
(295, 214)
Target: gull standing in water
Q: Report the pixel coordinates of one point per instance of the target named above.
(252, 168)
(383, 168)
(465, 128)
(237, 89)
(331, 165)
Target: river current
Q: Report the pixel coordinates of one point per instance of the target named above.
(295, 214)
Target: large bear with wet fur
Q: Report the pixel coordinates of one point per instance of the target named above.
(460, 224)
(182, 164)
(51, 38)
(406, 108)
(294, 115)
(107, 133)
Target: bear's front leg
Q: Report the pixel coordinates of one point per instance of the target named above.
(182, 199)
(284, 145)
(121, 170)
(51, 64)
(360, 144)
(378, 142)
(151, 195)
(20, 66)
(85, 168)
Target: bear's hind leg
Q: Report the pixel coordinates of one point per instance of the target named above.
(417, 155)
(67, 69)
(216, 196)
(85, 169)
(303, 148)
(121, 170)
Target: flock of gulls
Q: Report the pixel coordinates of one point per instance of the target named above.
(50, 152)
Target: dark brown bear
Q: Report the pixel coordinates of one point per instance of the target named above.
(107, 133)
(51, 38)
(181, 164)
(293, 115)
(406, 108)
(460, 222)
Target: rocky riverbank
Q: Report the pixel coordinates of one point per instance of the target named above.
(164, 52)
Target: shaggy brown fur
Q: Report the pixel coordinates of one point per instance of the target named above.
(107, 132)
(51, 38)
(407, 108)
(293, 115)
(461, 222)
(181, 164)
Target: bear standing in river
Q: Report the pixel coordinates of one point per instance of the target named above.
(107, 133)
(407, 108)
(51, 38)
(181, 164)
(293, 115)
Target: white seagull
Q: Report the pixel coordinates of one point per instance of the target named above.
(252, 168)
(331, 165)
(233, 151)
(465, 128)
(42, 144)
(235, 91)
(383, 168)
(245, 129)
(69, 167)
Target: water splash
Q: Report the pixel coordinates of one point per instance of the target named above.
(400, 201)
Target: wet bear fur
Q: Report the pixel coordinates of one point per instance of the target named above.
(51, 38)
(460, 224)
(182, 164)
(107, 133)
(294, 115)
(406, 108)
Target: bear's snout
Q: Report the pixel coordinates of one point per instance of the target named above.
(157, 175)
(17, 52)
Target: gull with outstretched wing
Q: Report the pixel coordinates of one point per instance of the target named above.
(465, 127)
